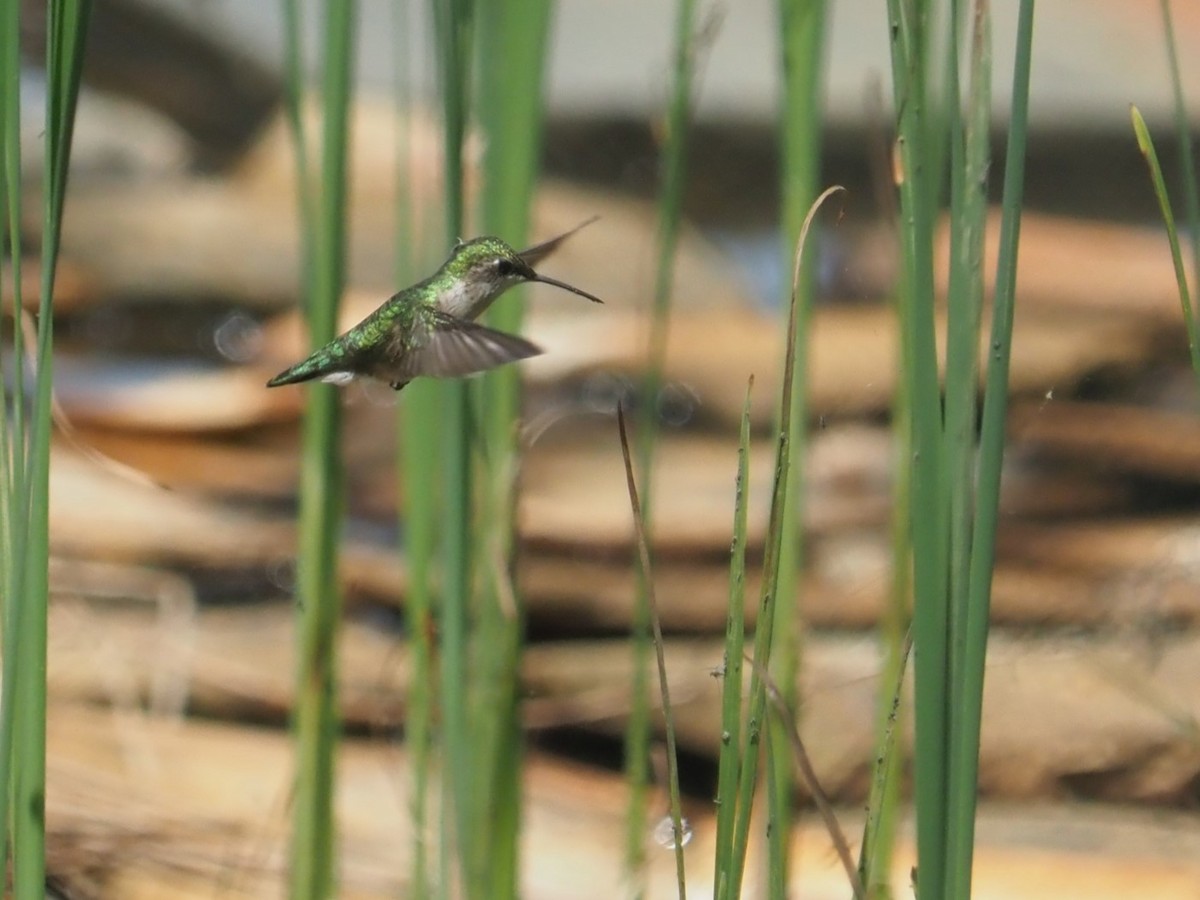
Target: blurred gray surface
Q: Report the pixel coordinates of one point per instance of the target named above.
(1092, 58)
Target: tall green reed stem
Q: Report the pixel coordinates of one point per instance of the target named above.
(323, 213)
(954, 495)
(512, 52)
(910, 39)
(802, 26)
(670, 214)
(12, 425)
(26, 444)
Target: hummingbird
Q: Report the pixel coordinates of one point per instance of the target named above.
(429, 328)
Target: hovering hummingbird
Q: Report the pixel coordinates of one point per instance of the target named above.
(429, 328)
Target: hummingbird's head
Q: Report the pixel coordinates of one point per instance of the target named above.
(491, 266)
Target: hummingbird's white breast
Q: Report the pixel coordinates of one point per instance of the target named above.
(467, 299)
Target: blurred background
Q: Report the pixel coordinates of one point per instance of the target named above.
(175, 472)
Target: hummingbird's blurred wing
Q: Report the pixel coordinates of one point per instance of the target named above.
(452, 347)
(535, 254)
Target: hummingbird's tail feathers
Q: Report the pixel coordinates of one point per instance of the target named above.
(454, 347)
(535, 254)
(294, 375)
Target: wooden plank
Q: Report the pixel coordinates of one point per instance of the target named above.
(1098, 716)
(141, 806)
(1109, 438)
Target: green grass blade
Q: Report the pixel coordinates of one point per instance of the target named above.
(1183, 130)
(643, 550)
(66, 33)
(802, 26)
(1146, 146)
(974, 627)
(318, 597)
(729, 762)
(764, 628)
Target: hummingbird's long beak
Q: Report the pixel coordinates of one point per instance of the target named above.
(544, 279)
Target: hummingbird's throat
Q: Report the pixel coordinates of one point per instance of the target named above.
(468, 299)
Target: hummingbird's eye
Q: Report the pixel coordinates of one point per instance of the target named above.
(504, 268)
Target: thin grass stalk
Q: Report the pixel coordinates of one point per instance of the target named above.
(513, 39)
(461, 809)
(1146, 146)
(965, 750)
(728, 760)
(802, 27)
(820, 799)
(14, 458)
(404, 228)
(455, 633)
(670, 216)
(12, 424)
(313, 866)
(909, 42)
(670, 213)
(884, 805)
(884, 800)
(294, 77)
(1183, 131)
(764, 627)
(420, 437)
(643, 550)
(66, 34)
(875, 852)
